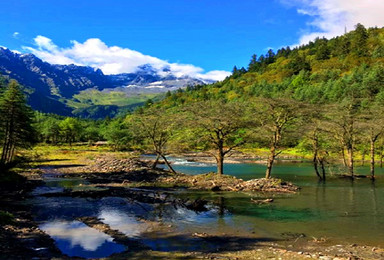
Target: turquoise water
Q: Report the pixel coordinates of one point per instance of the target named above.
(338, 210)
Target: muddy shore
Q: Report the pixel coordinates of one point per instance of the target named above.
(22, 239)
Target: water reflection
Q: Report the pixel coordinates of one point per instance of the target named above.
(338, 209)
(123, 222)
(76, 239)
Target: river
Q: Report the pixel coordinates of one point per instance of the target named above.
(339, 210)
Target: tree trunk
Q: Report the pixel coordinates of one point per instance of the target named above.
(272, 155)
(315, 156)
(11, 154)
(322, 168)
(315, 165)
(220, 163)
(168, 164)
(381, 156)
(350, 161)
(372, 158)
(156, 161)
(344, 160)
(363, 158)
(270, 162)
(5, 145)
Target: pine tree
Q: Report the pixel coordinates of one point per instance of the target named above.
(360, 39)
(16, 122)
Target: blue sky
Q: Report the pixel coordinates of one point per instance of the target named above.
(193, 36)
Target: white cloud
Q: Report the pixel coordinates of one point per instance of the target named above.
(215, 75)
(331, 17)
(16, 35)
(111, 59)
(77, 234)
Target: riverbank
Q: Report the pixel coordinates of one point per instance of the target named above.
(117, 173)
(109, 171)
(256, 156)
(20, 237)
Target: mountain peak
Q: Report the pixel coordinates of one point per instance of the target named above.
(50, 84)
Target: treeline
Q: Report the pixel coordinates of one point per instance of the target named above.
(56, 130)
(331, 133)
(323, 71)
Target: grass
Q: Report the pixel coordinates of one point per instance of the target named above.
(88, 98)
(286, 152)
(44, 154)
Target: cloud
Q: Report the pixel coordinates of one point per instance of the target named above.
(331, 17)
(16, 35)
(77, 234)
(111, 59)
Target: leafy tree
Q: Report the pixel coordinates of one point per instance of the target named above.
(219, 126)
(277, 117)
(118, 134)
(16, 122)
(317, 139)
(70, 129)
(371, 124)
(92, 132)
(50, 130)
(322, 52)
(154, 127)
(298, 63)
(342, 124)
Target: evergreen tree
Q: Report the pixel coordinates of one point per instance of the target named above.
(360, 38)
(253, 64)
(16, 122)
(322, 52)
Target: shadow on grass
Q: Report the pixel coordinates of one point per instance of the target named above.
(58, 166)
(49, 160)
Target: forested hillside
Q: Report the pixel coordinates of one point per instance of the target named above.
(323, 71)
(325, 97)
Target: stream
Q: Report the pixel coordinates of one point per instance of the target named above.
(340, 211)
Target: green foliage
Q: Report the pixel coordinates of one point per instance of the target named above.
(117, 98)
(97, 104)
(16, 118)
(118, 134)
(330, 71)
(70, 129)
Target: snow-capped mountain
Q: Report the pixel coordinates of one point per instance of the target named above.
(48, 85)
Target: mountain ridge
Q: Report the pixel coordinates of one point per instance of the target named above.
(50, 86)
